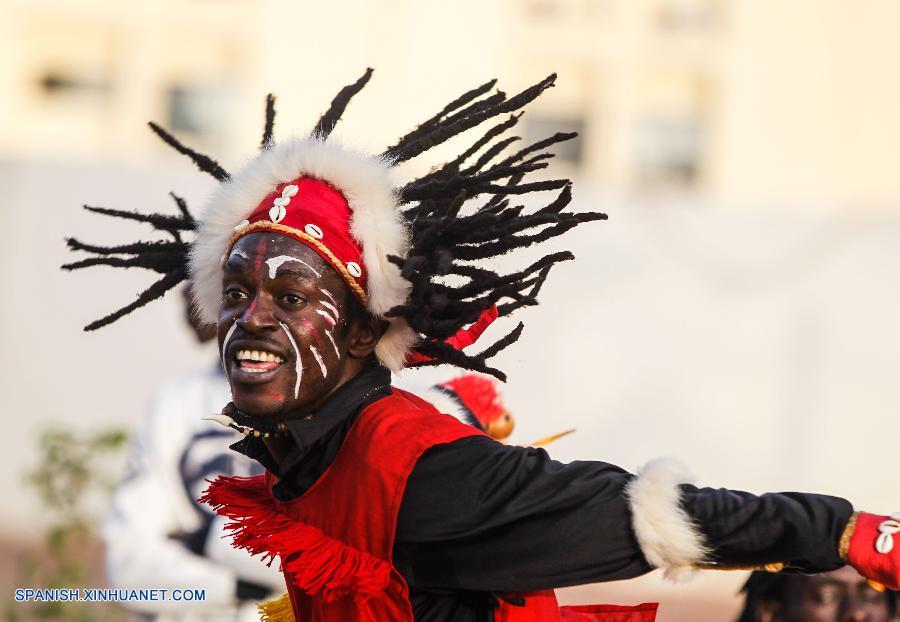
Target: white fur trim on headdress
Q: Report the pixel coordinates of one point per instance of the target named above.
(668, 537)
(375, 223)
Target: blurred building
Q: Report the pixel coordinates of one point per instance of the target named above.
(735, 101)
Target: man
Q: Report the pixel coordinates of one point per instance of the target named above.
(838, 596)
(323, 277)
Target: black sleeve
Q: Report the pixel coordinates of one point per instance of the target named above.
(800, 529)
(478, 515)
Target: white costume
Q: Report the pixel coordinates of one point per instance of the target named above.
(154, 512)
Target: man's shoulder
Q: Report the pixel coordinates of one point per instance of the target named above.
(404, 414)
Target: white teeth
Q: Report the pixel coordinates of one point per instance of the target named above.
(258, 355)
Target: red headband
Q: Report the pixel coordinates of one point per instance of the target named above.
(315, 214)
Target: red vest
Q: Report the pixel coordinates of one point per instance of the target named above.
(336, 540)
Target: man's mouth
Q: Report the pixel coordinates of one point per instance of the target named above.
(257, 361)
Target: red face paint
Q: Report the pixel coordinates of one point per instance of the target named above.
(314, 332)
(261, 248)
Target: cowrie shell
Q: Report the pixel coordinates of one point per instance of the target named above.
(354, 269)
(289, 191)
(277, 213)
(890, 526)
(314, 231)
(281, 201)
(242, 225)
(884, 544)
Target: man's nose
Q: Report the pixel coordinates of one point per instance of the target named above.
(259, 315)
(853, 611)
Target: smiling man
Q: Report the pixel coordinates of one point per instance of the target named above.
(323, 277)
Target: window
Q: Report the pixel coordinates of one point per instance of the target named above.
(197, 110)
(538, 127)
(667, 152)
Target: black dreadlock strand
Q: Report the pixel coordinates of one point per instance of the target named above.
(167, 257)
(269, 126)
(424, 127)
(338, 105)
(405, 150)
(203, 162)
(157, 290)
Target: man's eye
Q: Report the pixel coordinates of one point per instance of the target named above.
(827, 596)
(234, 294)
(292, 299)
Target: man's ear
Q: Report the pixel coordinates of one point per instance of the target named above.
(364, 336)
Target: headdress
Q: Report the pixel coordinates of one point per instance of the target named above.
(413, 254)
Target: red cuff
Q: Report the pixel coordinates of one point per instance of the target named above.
(875, 548)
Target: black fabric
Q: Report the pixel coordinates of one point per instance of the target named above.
(800, 529)
(537, 520)
(479, 518)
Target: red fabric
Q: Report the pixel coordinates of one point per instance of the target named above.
(318, 563)
(480, 396)
(862, 555)
(320, 205)
(542, 607)
(335, 542)
(609, 613)
(463, 338)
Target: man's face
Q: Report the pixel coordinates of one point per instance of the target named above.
(283, 327)
(838, 596)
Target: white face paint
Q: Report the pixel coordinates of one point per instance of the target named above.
(319, 360)
(330, 297)
(331, 321)
(275, 262)
(333, 344)
(225, 343)
(298, 364)
(240, 253)
(331, 308)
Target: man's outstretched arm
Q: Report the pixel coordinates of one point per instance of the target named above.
(483, 516)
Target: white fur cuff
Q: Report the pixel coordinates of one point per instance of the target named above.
(668, 537)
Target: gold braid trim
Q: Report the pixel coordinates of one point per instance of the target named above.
(276, 610)
(844, 543)
(337, 264)
(773, 567)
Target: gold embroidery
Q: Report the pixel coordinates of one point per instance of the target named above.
(773, 567)
(844, 545)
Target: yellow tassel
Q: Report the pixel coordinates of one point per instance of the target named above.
(276, 610)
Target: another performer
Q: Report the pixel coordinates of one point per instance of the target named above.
(323, 276)
(475, 400)
(838, 596)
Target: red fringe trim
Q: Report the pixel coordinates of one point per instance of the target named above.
(318, 564)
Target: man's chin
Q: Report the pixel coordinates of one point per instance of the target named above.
(258, 402)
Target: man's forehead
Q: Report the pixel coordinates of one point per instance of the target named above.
(277, 255)
(269, 244)
(842, 575)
